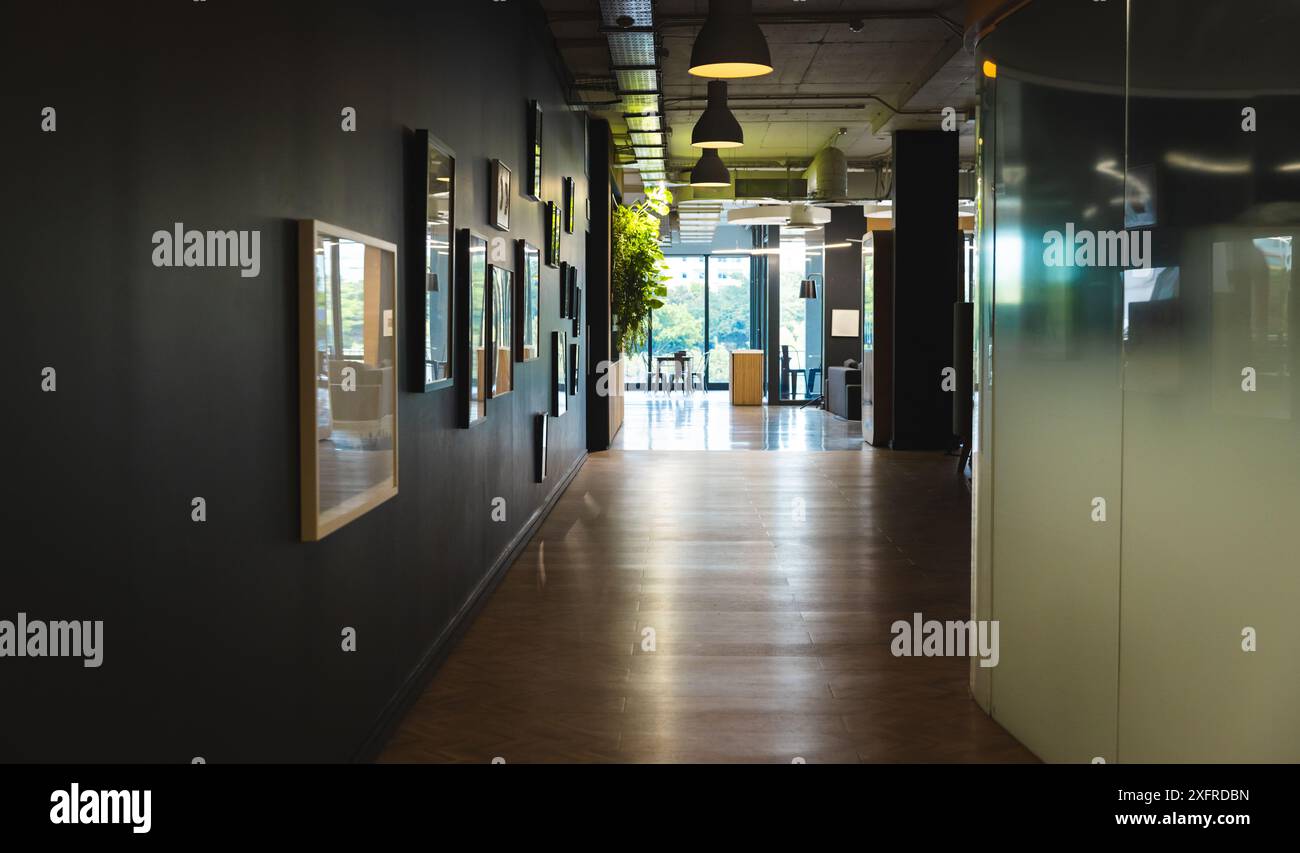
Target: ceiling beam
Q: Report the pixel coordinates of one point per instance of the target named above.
(880, 116)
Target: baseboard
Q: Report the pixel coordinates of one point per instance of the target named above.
(414, 685)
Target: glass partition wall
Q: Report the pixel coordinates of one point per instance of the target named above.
(1139, 477)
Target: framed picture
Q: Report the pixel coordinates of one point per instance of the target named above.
(528, 264)
(499, 174)
(570, 284)
(564, 291)
(575, 355)
(552, 234)
(559, 375)
(577, 312)
(472, 322)
(540, 423)
(347, 390)
(429, 261)
(570, 206)
(501, 341)
(844, 322)
(533, 186)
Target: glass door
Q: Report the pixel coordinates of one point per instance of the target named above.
(729, 313)
(677, 329)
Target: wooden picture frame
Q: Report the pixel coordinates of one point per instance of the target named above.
(430, 264)
(501, 305)
(500, 195)
(553, 230)
(575, 358)
(559, 375)
(473, 330)
(528, 312)
(533, 184)
(348, 375)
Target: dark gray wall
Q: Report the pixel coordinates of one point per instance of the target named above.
(927, 281)
(222, 639)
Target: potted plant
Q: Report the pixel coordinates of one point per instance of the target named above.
(638, 281)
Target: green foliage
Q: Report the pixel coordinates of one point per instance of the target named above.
(638, 276)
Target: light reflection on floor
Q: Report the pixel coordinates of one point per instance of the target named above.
(708, 421)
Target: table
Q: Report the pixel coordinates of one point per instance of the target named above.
(683, 360)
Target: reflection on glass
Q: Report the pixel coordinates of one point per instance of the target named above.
(437, 273)
(355, 381)
(868, 293)
(1251, 327)
(502, 332)
(729, 315)
(478, 390)
(532, 318)
(800, 353)
(559, 374)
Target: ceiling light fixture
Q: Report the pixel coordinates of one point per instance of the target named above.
(717, 127)
(731, 44)
(710, 171)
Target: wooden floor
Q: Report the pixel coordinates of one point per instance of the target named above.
(770, 581)
(708, 421)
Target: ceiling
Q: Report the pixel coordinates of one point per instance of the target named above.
(829, 84)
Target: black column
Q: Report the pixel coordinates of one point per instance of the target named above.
(596, 296)
(927, 281)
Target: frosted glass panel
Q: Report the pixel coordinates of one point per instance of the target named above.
(1211, 449)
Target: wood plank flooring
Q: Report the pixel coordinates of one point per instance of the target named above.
(770, 581)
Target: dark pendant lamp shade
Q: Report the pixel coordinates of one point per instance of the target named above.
(717, 127)
(710, 171)
(807, 289)
(731, 45)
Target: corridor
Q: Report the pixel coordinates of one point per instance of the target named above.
(769, 580)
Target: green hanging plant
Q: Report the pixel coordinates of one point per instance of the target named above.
(639, 282)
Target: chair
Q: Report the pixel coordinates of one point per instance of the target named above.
(699, 374)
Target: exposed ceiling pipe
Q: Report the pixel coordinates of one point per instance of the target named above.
(841, 16)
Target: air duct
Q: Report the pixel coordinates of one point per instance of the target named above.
(828, 175)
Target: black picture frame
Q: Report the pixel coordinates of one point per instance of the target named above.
(500, 195)
(528, 301)
(430, 263)
(533, 185)
(473, 327)
(571, 287)
(553, 229)
(577, 312)
(570, 205)
(540, 423)
(575, 356)
(559, 375)
(564, 291)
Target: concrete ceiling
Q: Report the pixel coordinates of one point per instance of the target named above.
(908, 56)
